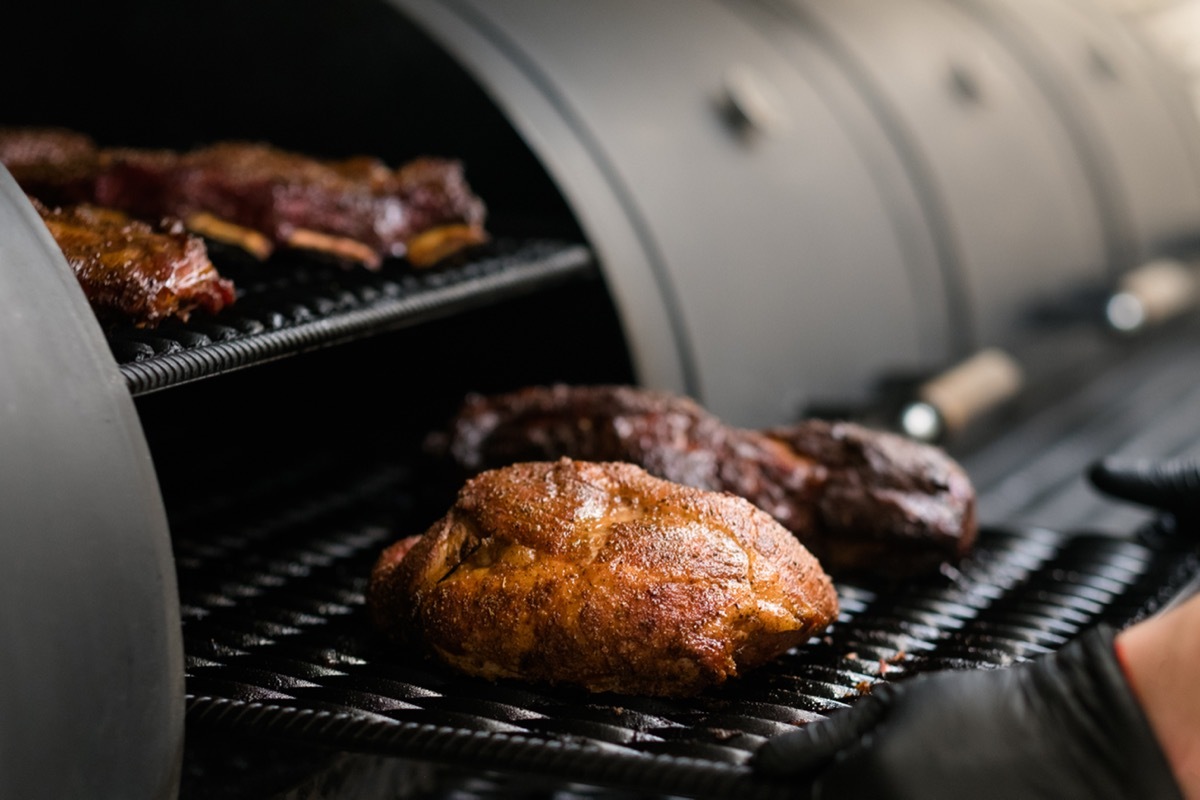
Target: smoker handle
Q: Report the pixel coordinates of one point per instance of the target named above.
(1153, 293)
(948, 402)
(91, 666)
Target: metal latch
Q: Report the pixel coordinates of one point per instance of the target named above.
(751, 104)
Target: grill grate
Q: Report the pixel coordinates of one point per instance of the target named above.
(277, 644)
(292, 304)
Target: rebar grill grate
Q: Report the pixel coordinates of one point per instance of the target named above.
(289, 305)
(277, 644)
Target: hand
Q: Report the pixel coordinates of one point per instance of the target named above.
(1173, 486)
(1065, 725)
(1160, 654)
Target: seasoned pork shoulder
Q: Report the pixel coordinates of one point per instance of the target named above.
(602, 576)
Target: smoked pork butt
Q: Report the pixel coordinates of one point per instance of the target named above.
(600, 575)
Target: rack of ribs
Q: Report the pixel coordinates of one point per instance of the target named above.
(258, 197)
(56, 166)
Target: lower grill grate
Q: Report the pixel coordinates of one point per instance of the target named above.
(278, 645)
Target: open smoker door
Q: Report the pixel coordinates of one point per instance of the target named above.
(91, 670)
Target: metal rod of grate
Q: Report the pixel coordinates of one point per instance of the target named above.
(287, 308)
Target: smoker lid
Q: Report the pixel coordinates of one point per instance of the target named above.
(90, 611)
(278, 645)
(722, 195)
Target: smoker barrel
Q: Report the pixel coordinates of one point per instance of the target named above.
(92, 661)
(952, 168)
(770, 205)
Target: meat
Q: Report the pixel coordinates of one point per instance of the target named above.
(55, 165)
(885, 503)
(132, 273)
(356, 209)
(861, 500)
(601, 576)
(258, 197)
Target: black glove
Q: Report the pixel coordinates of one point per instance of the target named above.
(1063, 726)
(1172, 486)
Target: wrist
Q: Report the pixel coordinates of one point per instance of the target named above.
(1159, 658)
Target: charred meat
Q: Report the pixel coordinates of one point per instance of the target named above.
(358, 209)
(133, 273)
(861, 500)
(259, 197)
(601, 576)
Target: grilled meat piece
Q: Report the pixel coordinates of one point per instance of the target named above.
(356, 209)
(132, 273)
(885, 503)
(56, 166)
(258, 197)
(601, 576)
(861, 500)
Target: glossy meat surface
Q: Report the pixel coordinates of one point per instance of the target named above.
(278, 193)
(861, 500)
(132, 273)
(601, 576)
(257, 196)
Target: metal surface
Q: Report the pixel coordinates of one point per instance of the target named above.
(764, 246)
(284, 309)
(1144, 404)
(1128, 117)
(781, 213)
(905, 182)
(91, 666)
(995, 159)
(535, 106)
(927, 249)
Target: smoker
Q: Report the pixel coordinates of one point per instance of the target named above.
(971, 220)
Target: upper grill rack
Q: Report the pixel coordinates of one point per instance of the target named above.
(277, 644)
(292, 304)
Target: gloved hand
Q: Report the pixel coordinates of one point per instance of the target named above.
(1063, 726)
(1172, 486)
